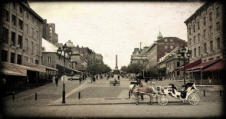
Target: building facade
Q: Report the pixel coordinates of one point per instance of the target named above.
(21, 40)
(161, 47)
(205, 39)
(49, 32)
(204, 29)
(139, 56)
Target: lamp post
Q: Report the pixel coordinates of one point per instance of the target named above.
(184, 54)
(66, 52)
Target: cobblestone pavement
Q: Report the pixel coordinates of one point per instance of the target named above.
(100, 99)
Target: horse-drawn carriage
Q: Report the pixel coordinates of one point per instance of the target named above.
(187, 94)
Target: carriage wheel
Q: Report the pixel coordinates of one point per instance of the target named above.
(162, 100)
(193, 99)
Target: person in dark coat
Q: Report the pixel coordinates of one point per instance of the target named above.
(56, 80)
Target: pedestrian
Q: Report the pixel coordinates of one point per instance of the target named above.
(56, 80)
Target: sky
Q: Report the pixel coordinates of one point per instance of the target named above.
(111, 28)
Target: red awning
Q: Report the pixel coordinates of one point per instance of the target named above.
(189, 65)
(215, 67)
(203, 65)
(195, 63)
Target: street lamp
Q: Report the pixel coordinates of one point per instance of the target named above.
(66, 52)
(184, 55)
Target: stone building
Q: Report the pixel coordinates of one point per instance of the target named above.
(161, 47)
(139, 56)
(172, 64)
(205, 39)
(58, 62)
(21, 40)
(49, 32)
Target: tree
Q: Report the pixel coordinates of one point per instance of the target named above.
(135, 68)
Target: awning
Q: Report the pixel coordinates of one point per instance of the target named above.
(203, 65)
(13, 69)
(215, 67)
(35, 67)
(189, 65)
(193, 64)
(50, 68)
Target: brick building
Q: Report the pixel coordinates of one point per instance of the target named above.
(161, 47)
(205, 39)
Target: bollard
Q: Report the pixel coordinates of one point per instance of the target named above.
(79, 95)
(129, 94)
(13, 96)
(204, 93)
(220, 92)
(36, 96)
(63, 94)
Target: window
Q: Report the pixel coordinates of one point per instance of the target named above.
(27, 16)
(189, 30)
(31, 60)
(21, 10)
(12, 58)
(19, 59)
(204, 34)
(210, 30)
(166, 46)
(4, 35)
(198, 38)
(204, 21)
(194, 40)
(218, 43)
(4, 56)
(13, 38)
(194, 52)
(204, 48)
(5, 14)
(14, 20)
(199, 50)
(21, 24)
(36, 62)
(178, 64)
(25, 58)
(49, 59)
(218, 26)
(32, 48)
(26, 44)
(178, 73)
(171, 47)
(211, 45)
(217, 12)
(198, 25)
(210, 16)
(32, 32)
(20, 41)
(193, 28)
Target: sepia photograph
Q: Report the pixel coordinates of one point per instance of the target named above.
(112, 59)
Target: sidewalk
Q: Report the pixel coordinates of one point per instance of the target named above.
(45, 94)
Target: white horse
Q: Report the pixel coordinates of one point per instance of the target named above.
(138, 90)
